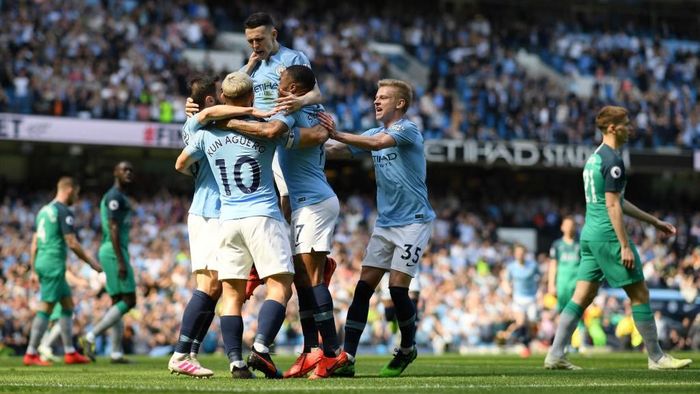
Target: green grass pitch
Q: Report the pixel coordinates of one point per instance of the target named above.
(603, 373)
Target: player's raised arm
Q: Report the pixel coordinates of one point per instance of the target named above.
(632, 210)
(184, 161)
(273, 129)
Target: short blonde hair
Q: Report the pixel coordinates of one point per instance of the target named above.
(65, 182)
(610, 115)
(236, 84)
(404, 90)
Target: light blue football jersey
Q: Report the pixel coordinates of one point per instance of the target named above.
(525, 278)
(402, 197)
(303, 167)
(205, 201)
(242, 167)
(266, 75)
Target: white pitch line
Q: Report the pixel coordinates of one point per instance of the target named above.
(358, 387)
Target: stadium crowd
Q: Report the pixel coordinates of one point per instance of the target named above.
(462, 307)
(125, 61)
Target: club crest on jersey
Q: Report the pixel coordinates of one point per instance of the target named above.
(616, 172)
(280, 70)
(396, 127)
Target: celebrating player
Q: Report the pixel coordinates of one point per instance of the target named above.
(251, 230)
(315, 211)
(203, 229)
(115, 212)
(54, 230)
(606, 252)
(404, 224)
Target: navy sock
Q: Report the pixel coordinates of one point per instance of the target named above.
(390, 313)
(306, 316)
(232, 332)
(405, 314)
(325, 321)
(357, 316)
(192, 320)
(207, 317)
(270, 319)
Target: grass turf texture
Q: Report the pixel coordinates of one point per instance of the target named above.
(603, 373)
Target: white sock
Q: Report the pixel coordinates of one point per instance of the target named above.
(117, 355)
(237, 364)
(90, 337)
(68, 349)
(179, 356)
(351, 358)
(260, 348)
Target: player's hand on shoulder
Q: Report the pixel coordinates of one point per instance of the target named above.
(327, 121)
(666, 227)
(265, 114)
(289, 103)
(191, 107)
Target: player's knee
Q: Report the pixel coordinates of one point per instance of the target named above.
(130, 300)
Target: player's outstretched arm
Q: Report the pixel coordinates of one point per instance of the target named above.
(367, 142)
(632, 210)
(74, 245)
(271, 130)
(612, 203)
(184, 161)
(217, 112)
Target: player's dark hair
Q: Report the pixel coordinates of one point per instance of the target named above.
(259, 19)
(302, 76)
(200, 88)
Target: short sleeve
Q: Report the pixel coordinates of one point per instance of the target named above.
(300, 58)
(553, 250)
(67, 221)
(286, 119)
(404, 133)
(613, 172)
(195, 147)
(115, 205)
(290, 139)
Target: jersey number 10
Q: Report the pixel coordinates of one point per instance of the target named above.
(237, 174)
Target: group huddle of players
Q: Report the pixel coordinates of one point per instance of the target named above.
(263, 128)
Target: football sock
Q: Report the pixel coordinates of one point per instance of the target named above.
(113, 315)
(646, 325)
(357, 317)
(207, 317)
(568, 320)
(39, 326)
(270, 319)
(117, 335)
(232, 332)
(50, 337)
(65, 323)
(405, 314)
(390, 313)
(306, 316)
(191, 321)
(325, 321)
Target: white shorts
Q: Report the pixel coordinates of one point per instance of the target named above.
(527, 306)
(383, 289)
(279, 178)
(203, 234)
(313, 225)
(398, 248)
(259, 239)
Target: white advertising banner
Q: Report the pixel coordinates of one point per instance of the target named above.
(89, 131)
